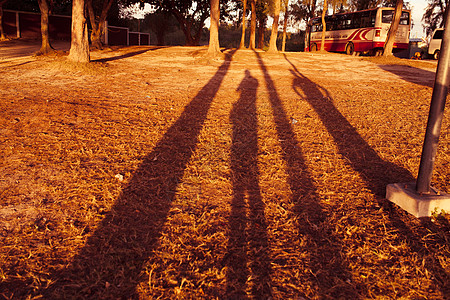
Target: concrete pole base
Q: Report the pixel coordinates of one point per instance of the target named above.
(419, 205)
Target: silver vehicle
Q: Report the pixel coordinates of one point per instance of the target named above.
(434, 47)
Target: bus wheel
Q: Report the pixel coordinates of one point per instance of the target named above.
(313, 47)
(350, 48)
(436, 54)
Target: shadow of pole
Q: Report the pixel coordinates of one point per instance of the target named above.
(329, 274)
(247, 251)
(375, 172)
(110, 263)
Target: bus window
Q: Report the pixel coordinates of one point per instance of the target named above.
(316, 28)
(368, 19)
(388, 15)
(404, 20)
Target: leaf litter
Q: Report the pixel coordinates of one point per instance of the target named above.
(152, 174)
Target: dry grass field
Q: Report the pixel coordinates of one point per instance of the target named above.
(153, 173)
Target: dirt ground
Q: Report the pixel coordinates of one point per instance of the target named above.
(153, 172)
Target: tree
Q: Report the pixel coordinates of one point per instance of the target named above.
(261, 17)
(286, 15)
(274, 33)
(190, 14)
(244, 11)
(79, 45)
(336, 3)
(44, 6)
(160, 23)
(98, 20)
(324, 25)
(365, 4)
(2, 33)
(434, 16)
(252, 43)
(304, 10)
(214, 47)
(389, 44)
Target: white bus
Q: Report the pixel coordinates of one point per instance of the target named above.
(360, 31)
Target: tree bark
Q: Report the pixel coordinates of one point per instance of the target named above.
(242, 44)
(283, 43)
(324, 25)
(186, 26)
(45, 11)
(198, 33)
(262, 19)
(2, 33)
(252, 44)
(98, 24)
(274, 34)
(214, 47)
(390, 39)
(79, 46)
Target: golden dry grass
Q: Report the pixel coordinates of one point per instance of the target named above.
(152, 173)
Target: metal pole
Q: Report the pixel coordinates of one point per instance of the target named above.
(436, 113)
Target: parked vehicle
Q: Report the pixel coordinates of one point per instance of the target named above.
(434, 47)
(360, 31)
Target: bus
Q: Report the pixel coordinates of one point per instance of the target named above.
(357, 32)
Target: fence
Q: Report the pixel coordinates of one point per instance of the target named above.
(123, 36)
(28, 25)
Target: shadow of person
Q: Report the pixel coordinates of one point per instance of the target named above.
(110, 263)
(321, 246)
(375, 172)
(247, 255)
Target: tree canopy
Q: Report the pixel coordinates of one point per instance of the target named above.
(434, 15)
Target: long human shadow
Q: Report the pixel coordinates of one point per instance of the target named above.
(324, 249)
(247, 250)
(110, 263)
(375, 172)
(411, 74)
(127, 55)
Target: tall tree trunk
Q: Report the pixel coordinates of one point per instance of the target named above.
(242, 44)
(2, 33)
(98, 24)
(198, 33)
(286, 6)
(262, 19)
(252, 44)
(160, 38)
(79, 46)
(186, 26)
(45, 11)
(390, 39)
(214, 47)
(274, 33)
(324, 25)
